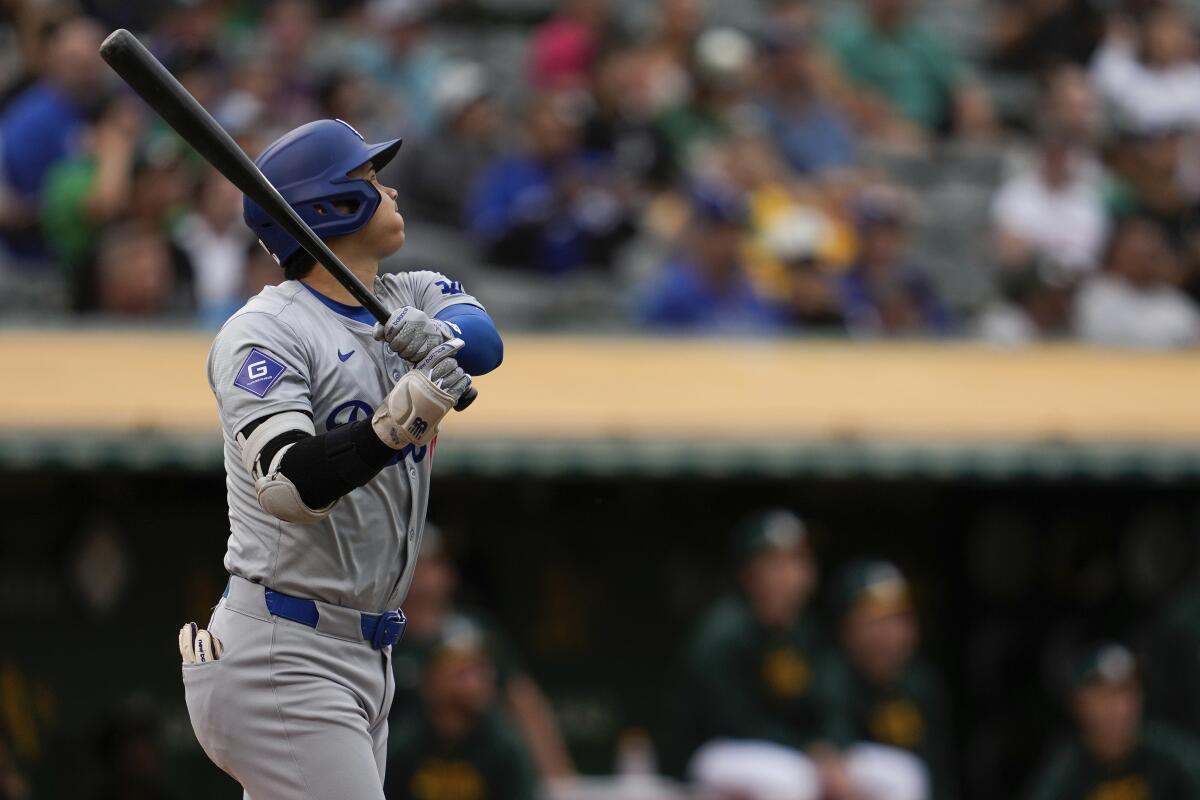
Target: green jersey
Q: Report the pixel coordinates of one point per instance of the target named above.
(910, 714)
(743, 680)
(411, 653)
(490, 763)
(1163, 766)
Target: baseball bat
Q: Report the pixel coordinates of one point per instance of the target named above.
(162, 92)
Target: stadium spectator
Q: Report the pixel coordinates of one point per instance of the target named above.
(720, 68)
(557, 207)
(563, 49)
(886, 292)
(797, 240)
(431, 174)
(1053, 210)
(288, 40)
(900, 68)
(705, 286)
(40, 126)
(1034, 303)
(87, 192)
(1031, 36)
(1150, 76)
(1070, 108)
(1117, 753)
(458, 744)
(808, 131)
(668, 53)
(431, 610)
(412, 63)
(622, 121)
(135, 275)
(899, 706)
(760, 710)
(1133, 302)
(213, 238)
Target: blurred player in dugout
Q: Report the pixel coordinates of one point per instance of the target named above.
(456, 744)
(431, 610)
(765, 709)
(1116, 754)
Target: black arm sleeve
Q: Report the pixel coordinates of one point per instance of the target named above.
(329, 465)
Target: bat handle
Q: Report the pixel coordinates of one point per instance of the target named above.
(468, 397)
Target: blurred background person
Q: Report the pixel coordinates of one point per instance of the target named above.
(434, 173)
(556, 208)
(135, 276)
(41, 126)
(432, 610)
(214, 239)
(759, 711)
(92, 189)
(886, 292)
(909, 84)
(798, 240)
(809, 131)
(458, 744)
(704, 287)
(1147, 71)
(1133, 302)
(1116, 752)
(1052, 211)
(900, 710)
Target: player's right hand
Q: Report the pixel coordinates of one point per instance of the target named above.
(412, 334)
(411, 412)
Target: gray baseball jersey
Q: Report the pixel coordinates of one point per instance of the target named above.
(291, 349)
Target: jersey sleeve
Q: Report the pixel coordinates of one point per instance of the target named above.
(258, 367)
(432, 291)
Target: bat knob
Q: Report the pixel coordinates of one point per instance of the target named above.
(468, 397)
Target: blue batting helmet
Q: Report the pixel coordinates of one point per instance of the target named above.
(309, 166)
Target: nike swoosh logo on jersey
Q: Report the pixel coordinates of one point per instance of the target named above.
(344, 356)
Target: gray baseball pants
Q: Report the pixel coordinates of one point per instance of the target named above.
(292, 712)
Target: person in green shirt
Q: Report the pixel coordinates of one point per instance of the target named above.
(760, 711)
(898, 705)
(430, 607)
(901, 73)
(1117, 754)
(458, 746)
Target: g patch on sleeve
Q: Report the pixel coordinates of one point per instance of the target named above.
(259, 373)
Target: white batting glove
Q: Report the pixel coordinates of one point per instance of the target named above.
(411, 412)
(198, 646)
(411, 333)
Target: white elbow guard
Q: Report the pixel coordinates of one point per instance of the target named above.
(277, 495)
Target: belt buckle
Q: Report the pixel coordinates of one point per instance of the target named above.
(389, 629)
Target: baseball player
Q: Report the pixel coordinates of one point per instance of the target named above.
(329, 424)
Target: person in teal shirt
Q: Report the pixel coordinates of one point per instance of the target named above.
(889, 57)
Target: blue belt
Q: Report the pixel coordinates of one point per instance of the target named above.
(381, 630)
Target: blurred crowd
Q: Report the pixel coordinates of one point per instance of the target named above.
(1013, 170)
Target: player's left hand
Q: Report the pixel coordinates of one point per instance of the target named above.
(411, 333)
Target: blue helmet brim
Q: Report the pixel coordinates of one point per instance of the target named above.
(380, 154)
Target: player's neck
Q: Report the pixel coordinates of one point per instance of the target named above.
(365, 269)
